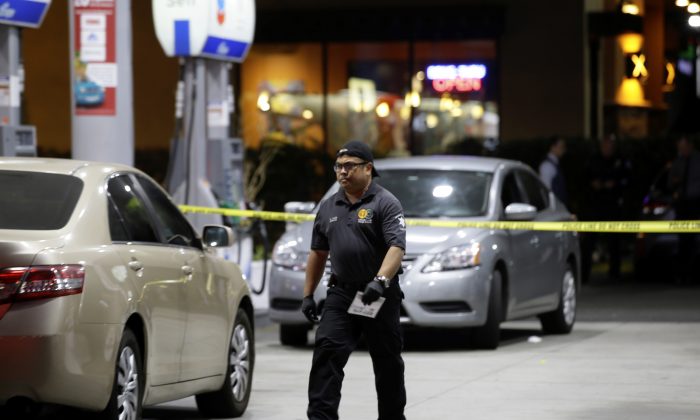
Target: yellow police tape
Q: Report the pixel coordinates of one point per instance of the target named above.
(656, 226)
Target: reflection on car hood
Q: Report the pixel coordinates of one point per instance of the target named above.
(419, 239)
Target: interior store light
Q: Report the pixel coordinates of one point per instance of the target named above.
(382, 110)
(694, 21)
(629, 8)
(264, 101)
(682, 3)
(477, 111)
(431, 121)
(413, 99)
(307, 114)
(694, 8)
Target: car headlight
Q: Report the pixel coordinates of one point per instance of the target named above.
(455, 258)
(288, 256)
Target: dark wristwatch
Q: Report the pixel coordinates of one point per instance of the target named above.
(383, 280)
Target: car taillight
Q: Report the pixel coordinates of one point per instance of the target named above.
(40, 282)
(10, 279)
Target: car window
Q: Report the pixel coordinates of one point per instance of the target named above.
(510, 192)
(433, 193)
(175, 229)
(37, 201)
(117, 230)
(130, 212)
(535, 192)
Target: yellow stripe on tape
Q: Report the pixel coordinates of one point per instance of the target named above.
(657, 226)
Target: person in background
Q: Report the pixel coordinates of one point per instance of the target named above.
(550, 169)
(362, 230)
(608, 175)
(684, 181)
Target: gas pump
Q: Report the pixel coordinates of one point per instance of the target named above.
(16, 139)
(206, 164)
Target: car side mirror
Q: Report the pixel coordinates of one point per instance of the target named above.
(299, 206)
(217, 236)
(520, 211)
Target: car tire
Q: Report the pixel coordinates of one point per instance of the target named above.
(562, 319)
(125, 403)
(231, 400)
(488, 335)
(294, 335)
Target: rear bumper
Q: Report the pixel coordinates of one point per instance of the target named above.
(53, 359)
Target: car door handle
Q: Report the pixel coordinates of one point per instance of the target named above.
(135, 265)
(188, 270)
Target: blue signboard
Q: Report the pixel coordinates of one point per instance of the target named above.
(225, 49)
(28, 13)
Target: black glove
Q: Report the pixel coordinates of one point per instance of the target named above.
(308, 308)
(372, 292)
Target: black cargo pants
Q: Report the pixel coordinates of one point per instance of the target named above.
(337, 337)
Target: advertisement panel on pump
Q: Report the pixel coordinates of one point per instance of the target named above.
(231, 27)
(95, 60)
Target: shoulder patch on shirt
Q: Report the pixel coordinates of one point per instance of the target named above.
(333, 219)
(401, 220)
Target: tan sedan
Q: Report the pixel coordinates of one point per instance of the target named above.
(108, 298)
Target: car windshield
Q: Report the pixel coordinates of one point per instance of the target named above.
(438, 193)
(37, 201)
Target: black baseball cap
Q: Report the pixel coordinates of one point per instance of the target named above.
(360, 150)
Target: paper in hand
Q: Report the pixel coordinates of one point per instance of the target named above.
(359, 308)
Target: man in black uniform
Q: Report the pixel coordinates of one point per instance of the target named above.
(363, 229)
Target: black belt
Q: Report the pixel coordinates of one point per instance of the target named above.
(350, 287)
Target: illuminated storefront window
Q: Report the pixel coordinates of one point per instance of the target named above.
(401, 98)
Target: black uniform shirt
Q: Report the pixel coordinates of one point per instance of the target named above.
(359, 235)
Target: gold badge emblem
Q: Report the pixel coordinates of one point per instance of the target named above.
(362, 213)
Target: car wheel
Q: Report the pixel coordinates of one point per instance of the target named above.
(488, 335)
(561, 320)
(231, 400)
(294, 335)
(127, 391)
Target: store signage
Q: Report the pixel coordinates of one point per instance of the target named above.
(29, 13)
(220, 29)
(230, 30)
(181, 25)
(456, 78)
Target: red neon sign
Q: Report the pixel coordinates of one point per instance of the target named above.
(460, 85)
(460, 78)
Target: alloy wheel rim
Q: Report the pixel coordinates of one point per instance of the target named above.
(127, 385)
(239, 360)
(569, 297)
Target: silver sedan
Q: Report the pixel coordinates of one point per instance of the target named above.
(456, 277)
